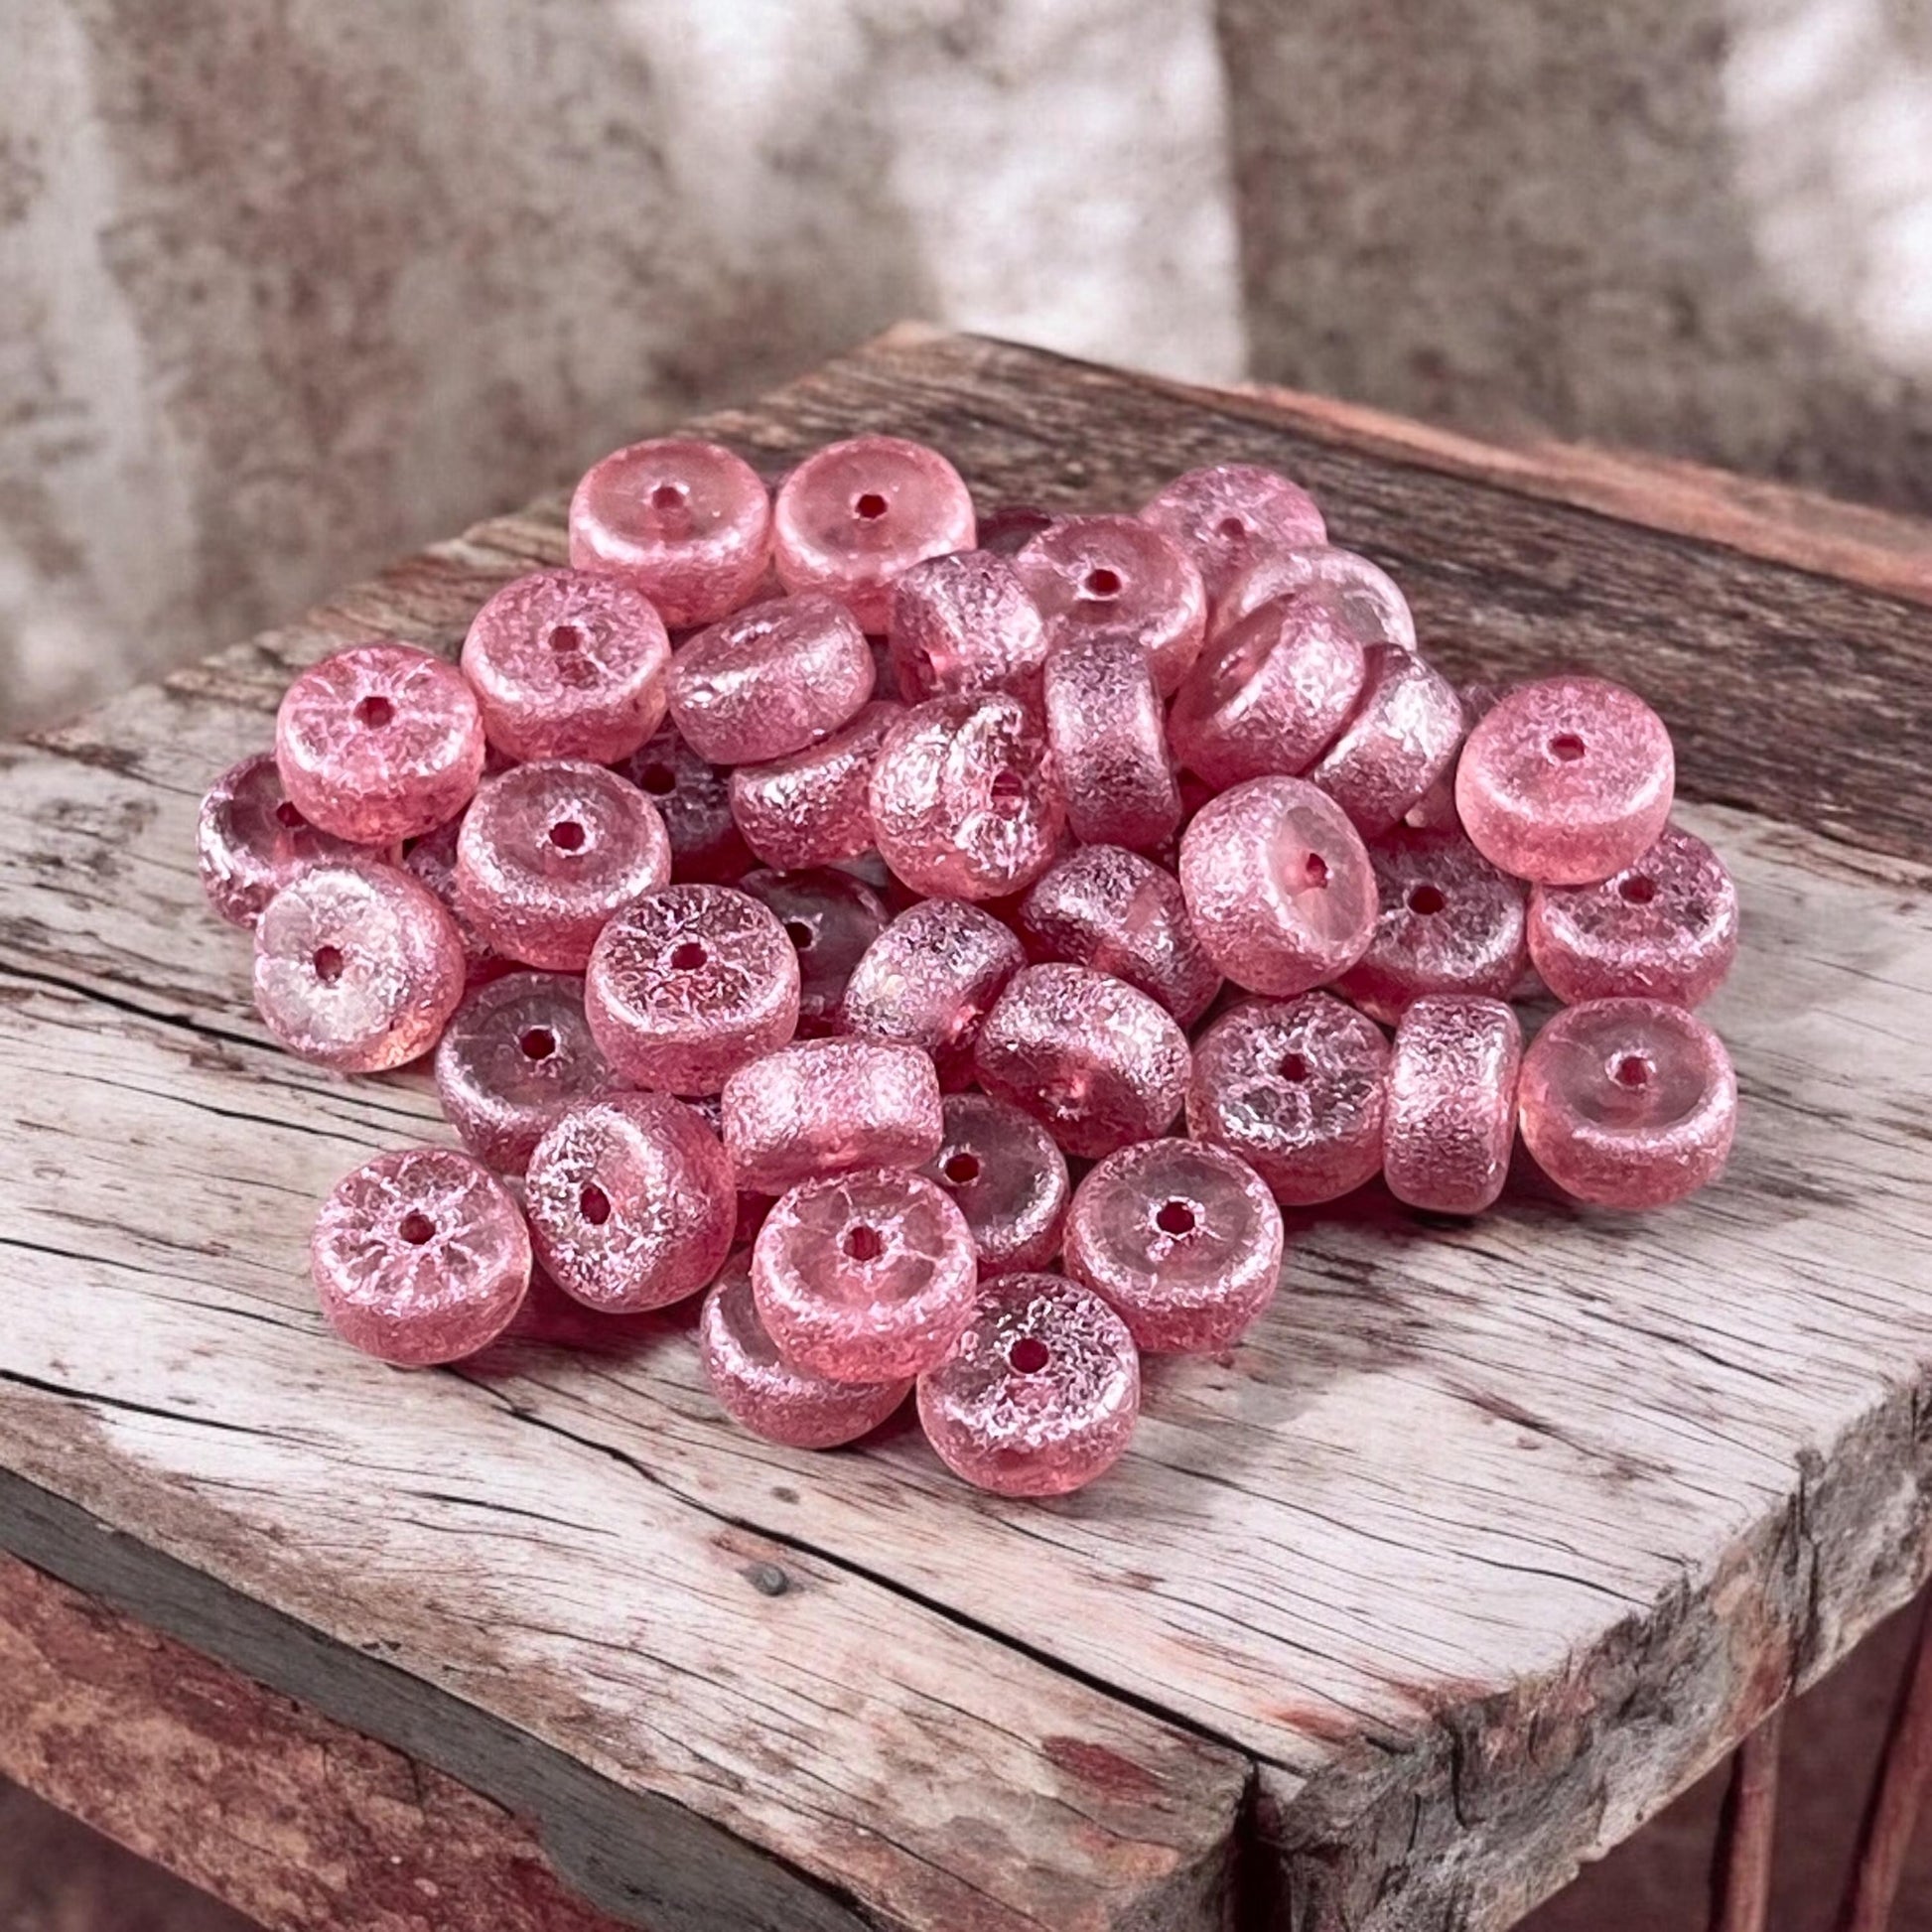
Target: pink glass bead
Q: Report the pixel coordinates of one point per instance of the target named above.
(831, 918)
(688, 983)
(1096, 1059)
(420, 1257)
(630, 1202)
(687, 524)
(549, 852)
(863, 1276)
(1121, 914)
(568, 665)
(770, 680)
(250, 841)
(1007, 530)
(1278, 886)
(1009, 1179)
(379, 742)
(1181, 1239)
(1296, 1088)
(1566, 780)
(1040, 1395)
(1665, 927)
(1628, 1103)
(965, 800)
(431, 859)
(1367, 595)
(1107, 733)
(1227, 515)
(814, 807)
(965, 623)
(356, 966)
(1117, 576)
(826, 1106)
(1451, 1113)
(853, 516)
(1400, 741)
(515, 1059)
(693, 798)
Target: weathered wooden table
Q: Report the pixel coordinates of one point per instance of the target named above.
(1488, 1540)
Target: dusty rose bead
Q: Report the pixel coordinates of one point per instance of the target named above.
(1278, 886)
(1296, 1088)
(853, 516)
(1183, 1240)
(420, 1257)
(1108, 732)
(431, 859)
(1231, 513)
(1665, 927)
(965, 623)
(1628, 1103)
(1404, 731)
(688, 983)
(863, 1276)
(1367, 595)
(1008, 529)
(814, 807)
(1567, 782)
(831, 918)
(1008, 1178)
(250, 841)
(693, 798)
(1041, 1393)
(1450, 1112)
(687, 524)
(824, 1106)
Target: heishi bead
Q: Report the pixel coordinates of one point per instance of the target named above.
(1092, 1057)
(1008, 529)
(549, 852)
(1296, 1088)
(1450, 1117)
(1229, 514)
(1009, 1179)
(965, 623)
(431, 859)
(693, 798)
(814, 807)
(379, 742)
(419, 1257)
(1108, 732)
(1665, 927)
(1376, 610)
(826, 1106)
(356, 966)
(1405, 730)
(831, 918)
(250, 841)
(863, 1276)
(1567, 782)
(1278, 884)
(630, 1202)
(1628, 1103)
(687, 524)
(689, 982)
(853, 516)
(1181, 1239)
(566, 664)
(1041, 1393)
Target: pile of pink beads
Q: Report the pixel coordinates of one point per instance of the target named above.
(792, 964)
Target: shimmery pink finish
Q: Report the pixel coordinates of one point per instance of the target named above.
(1231, 513)
(965, 623)
(826, 1106)
(1376, 610)
(863, 1276)
(1008, 529)
(1403, 733)
(1108, 732)
(420, 1257)
(431, 859)
(831, 918)
(1450, 1114)
(1040, 1395)
(814, 807)
(1567, 782)
(693, 799)
(1181, 1238)
(250, 841)
(1628, 1103)
(1008, 1178)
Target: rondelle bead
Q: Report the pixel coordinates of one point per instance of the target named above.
(1450, 1117)
(1403, 734)
(1367, 596)
(1107, 733)
(1181, 1238)
(1041, 1393)
(356, 966)
(1008, 1178)
(379, 742)
(420, 1257)
(831, 918)
(814, 807)
(687, 524)
(689, 982)
(855, 516)
(1278, 886)
(1094, 1058)
(1567, 782)
(1227, 515)
(1628, 1103)
(1009, 528)
(863, 1276)
(693, 798)
(630, 1202)
(549, 852)
(1665, 927)
(250, 840)
(965, 623)
(1296, 1088)
(431, 859)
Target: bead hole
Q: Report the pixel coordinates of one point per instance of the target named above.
(566, 639)
(870, 506)
(1565, 748)
(1175, 1218)
(537, 1043)
(567, 834)
(1008, 792)
(286, 814)
(800, 934)
(328, 963)
(962, 1168)
(1100, 583)
(595, 1205)
(1314, 869)
(375, 711)
(863, 1243)
(659, 779)
(1293, 1067)
(1425, 900)
(1630, 1070)
(687, 956)
(1230, 529)
(1636, 889)
(667, 497)
(416, 1227)
(1029, 1355)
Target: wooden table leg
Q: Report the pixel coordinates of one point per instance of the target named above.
(1899, 1797)
(1748, 1832)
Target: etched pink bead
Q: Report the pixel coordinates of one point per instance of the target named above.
(1367, 595)
(420, 1257)
(1092, 1057)
(1227, 515)
(630, 1202)
(1041, 1393)
(814, 807)
(826, 1106)
(687, 524)
(1107, 733)
(1665, 927)
(250, 841)
(855, 516)
(831, 918)
(693, 798)
(689, 982)
(1567, 782)
(863, 1276)
(1181, 1239)
(1404, 731)
(963, 624)
(1009, 1179)
(1628, 1103)
(1278, 886)
(431, 859)
(1296, 1088)
(1451, 1113)
(379, 742)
